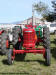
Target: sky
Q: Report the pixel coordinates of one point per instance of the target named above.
(17, 10)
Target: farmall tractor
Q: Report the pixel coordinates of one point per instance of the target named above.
(24, 41)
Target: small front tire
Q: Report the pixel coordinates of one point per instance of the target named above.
(9, 56)
(48, 57)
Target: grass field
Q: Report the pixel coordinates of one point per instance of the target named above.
(32, 65)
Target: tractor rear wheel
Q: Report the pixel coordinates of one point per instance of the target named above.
(3, 43)
(16, 31)
(46, 43)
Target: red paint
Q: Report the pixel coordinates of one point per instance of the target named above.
(39, 40)
(28, 37)
(19, 39)
(1, 32)
(7, 44)
(36, 50)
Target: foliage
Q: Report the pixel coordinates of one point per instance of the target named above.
(40, 7)
(49, 17)
(54, 7)
(43, 9)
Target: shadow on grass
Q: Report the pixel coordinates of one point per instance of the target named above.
(42, 62)
(5, 62)
(54, 41)
(1, 53)
(51, 33)
(53, 52)
(20, 58)
(39, 61)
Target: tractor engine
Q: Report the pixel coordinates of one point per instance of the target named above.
(29, 38)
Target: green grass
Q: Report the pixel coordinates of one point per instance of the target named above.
(32, 65)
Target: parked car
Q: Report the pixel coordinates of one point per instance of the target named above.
(52, 27)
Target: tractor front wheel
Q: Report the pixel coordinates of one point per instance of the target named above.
(9, 56)
(47, 57)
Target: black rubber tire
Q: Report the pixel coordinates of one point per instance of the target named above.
(48, 57)
(46, 37)
(16, 31)
(3, 42)
(46, 43)
(9, 55)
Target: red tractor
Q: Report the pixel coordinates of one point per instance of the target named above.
(27, 39)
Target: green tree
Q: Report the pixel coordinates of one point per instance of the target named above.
(54, 7)
(49, 17)
(43, 9)
(40, 7)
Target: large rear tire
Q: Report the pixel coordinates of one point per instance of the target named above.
(16, 31)
(4, 37)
